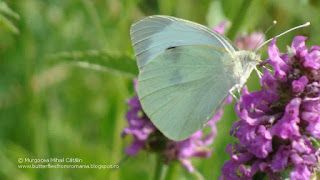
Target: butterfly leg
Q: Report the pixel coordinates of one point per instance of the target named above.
(238, 89)
(267, 68)
(234, 96)
(258, 72)
(232, 89)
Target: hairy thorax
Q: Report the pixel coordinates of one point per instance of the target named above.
(245, 62)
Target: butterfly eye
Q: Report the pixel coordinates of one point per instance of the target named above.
(252, 56)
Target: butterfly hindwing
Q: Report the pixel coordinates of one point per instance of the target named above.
(181, 88)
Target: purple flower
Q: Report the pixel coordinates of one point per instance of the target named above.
(249, 42)
(299, 85)
(147, 137)
(221, 27)
(244, 41)
(139, 126)
(278, 122)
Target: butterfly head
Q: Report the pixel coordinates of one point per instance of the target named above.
(246, 61)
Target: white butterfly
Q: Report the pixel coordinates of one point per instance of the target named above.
(186, 72)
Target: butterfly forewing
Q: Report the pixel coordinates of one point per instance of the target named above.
(152, 35)
(183, 87)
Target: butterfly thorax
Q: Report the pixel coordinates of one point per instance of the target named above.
(245, 61)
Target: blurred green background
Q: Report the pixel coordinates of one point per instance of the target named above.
(54, 109)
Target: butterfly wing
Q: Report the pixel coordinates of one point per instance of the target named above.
(152, 35)
(183, 87)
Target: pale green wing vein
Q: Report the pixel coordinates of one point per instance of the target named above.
(191, 67)
(158, 98)
(189, 113)
(172, 85)
(189, 91)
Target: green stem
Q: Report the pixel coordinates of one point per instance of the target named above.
(160, 170)
(198, 175)
(120, 162)
(119, 124)
(93, 13)
(171, 173)
(238, 19)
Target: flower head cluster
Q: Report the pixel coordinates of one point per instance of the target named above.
(146, 136)
(279, 123)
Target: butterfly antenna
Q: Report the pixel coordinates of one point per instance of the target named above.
(297, 27)
(274, 22)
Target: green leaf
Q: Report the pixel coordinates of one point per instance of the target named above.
(215, 14)
(5, 14)
(286, 173)
(315, 142)
(238, 19)
(99, 60)
(5, 10)
(8, 24)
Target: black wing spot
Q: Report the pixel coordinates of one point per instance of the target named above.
(172, 47)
